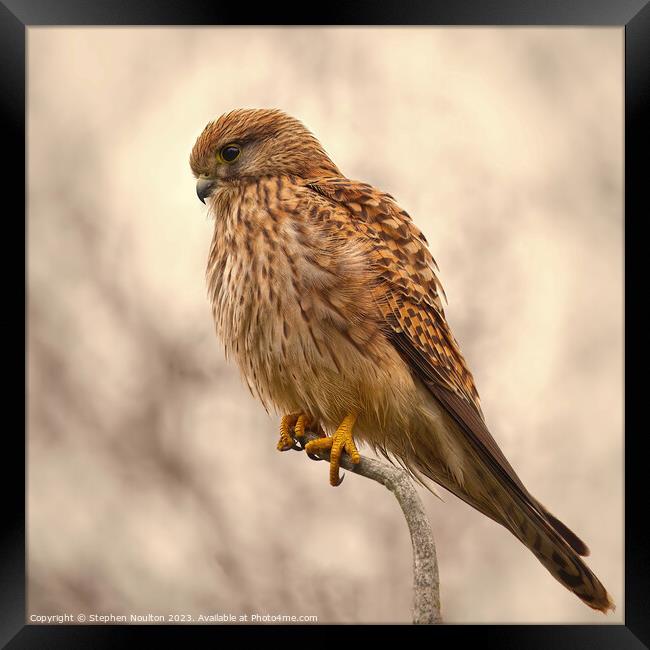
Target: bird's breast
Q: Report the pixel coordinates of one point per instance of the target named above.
(268, 274)
(293, 304)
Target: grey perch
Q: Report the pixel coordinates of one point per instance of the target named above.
(426, 584)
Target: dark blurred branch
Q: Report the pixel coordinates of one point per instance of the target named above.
(426, 585)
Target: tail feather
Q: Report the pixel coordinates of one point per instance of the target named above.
(559, 557)
(551, 541)
(566, 533)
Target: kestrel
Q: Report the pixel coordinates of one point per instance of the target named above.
(326, 294)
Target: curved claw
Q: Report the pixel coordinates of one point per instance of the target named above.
(284, 445)
(314, 456)
(340, 480)
(298, 445)
(292, 428)
(337, 444)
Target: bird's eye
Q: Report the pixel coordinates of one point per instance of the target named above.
(229, 153)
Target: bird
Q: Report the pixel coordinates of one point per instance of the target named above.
(325, 293)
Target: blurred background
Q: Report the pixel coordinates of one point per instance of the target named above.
(154, 485)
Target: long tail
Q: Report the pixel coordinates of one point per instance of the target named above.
(559, 550)
(552, 542)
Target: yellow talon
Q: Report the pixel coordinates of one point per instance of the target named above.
(302, 422)
(296, 421)
(286, 440)
(342, 440)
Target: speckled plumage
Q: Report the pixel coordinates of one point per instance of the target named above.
(325, 293)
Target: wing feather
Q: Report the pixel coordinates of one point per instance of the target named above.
(409, 298)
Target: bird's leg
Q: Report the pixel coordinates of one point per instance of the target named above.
(342, 440)
(296, 421)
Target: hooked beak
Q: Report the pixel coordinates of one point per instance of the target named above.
(204, 187)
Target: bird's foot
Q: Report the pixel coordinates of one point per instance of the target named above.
(341, 441)
(292, 428)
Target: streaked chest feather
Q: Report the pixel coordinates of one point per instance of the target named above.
(284, 289)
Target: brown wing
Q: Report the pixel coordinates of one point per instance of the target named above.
(410, 289)
(409, 298)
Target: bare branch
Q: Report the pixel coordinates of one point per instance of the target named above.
(426, 585)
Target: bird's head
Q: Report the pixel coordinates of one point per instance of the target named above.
(248, 143)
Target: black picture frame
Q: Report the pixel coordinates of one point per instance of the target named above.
(632, 15)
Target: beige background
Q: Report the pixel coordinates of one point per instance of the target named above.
(153, 481)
